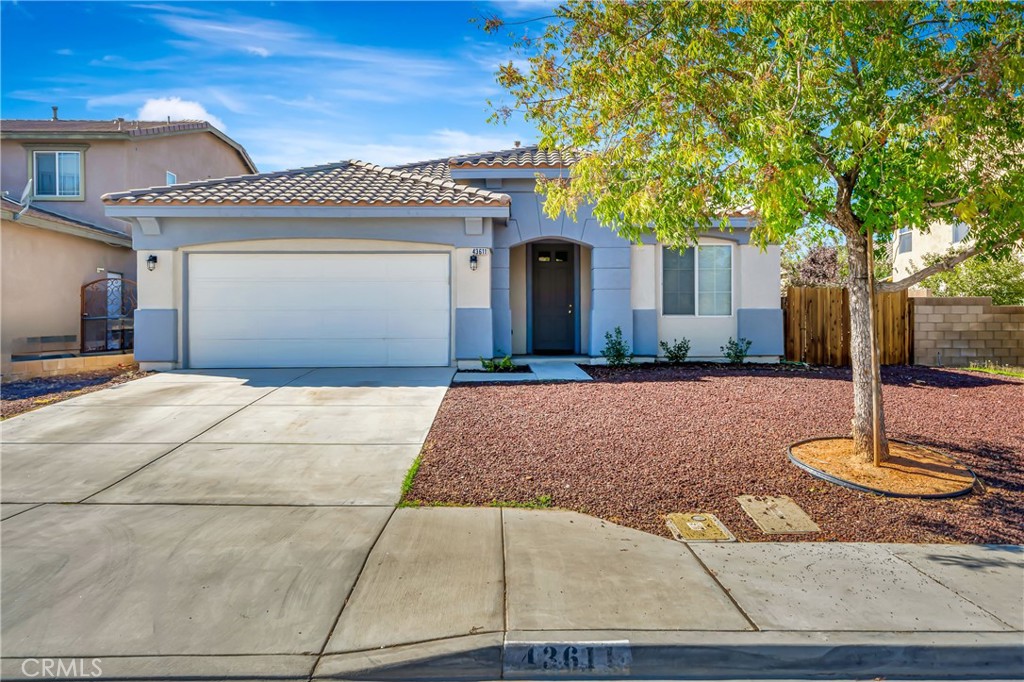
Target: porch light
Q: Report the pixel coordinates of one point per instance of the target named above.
(473, 261)
(151, 262)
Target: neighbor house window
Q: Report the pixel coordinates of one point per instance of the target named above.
(171, 178)
(905, 240)
(697, 281)
(959, 233)
(58, 174)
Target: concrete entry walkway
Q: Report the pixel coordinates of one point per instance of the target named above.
(262, 548)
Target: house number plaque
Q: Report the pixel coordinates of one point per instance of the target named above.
(568, 657)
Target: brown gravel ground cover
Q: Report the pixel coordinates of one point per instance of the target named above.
(642, 442)
(17, 397)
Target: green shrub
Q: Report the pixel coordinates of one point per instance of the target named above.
(677, 352)
(736, 350)
(616, 351)
(498, 365)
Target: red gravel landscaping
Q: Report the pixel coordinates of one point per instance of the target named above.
(642, 442)
(17, 397)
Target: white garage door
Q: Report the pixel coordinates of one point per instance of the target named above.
(318, 310)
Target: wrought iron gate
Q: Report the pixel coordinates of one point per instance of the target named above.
(108, 316)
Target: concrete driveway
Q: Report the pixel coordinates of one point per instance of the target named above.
(215, 514)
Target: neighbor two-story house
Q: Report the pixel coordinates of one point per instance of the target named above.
(55, 234)
(436, 263)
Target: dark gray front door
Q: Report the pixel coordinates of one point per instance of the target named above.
(554, 298)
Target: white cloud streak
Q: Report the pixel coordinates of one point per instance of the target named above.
(177, 109)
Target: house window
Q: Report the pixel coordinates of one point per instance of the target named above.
(959, 233)
(58, 174)
(905, 240)
(171, 178)
(697, 281)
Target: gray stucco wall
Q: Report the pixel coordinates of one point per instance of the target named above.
(645, 331)
(473, 335)
(763, 327)
(156, 335)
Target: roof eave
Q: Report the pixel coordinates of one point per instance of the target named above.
(123, 211)
(42, 222)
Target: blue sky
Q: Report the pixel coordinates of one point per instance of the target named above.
(297, 83)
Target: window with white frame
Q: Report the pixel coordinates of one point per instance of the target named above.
(959, 232)
(171, 178)
(905, 240)
(697, 281)
(57, 174)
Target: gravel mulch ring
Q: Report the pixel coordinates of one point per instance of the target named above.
(17, 397)
(639, 443)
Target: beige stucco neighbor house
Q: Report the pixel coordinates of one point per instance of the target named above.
(437, 263)
(910, 247)
(60, 238)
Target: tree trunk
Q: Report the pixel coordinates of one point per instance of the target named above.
(860, 353)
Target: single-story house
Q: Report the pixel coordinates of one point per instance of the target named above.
(437, 263)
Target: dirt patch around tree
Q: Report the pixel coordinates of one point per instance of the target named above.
(639, 443)
(17, 397)
(909, 471)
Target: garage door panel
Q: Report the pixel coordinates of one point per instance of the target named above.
(301, 310)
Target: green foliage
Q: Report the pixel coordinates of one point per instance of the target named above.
(736, 349)
(1002, 280)
(616, 351)
(676, 352)
(539, 502)
(1002, 370)
(859, 116)
(410, 476)
(504, 364)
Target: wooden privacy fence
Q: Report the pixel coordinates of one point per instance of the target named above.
(817, 326)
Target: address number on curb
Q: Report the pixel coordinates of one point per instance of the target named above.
(562, 657)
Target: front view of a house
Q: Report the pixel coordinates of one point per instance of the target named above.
(429, 264)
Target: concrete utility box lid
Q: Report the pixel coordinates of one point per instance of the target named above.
(777, 515)
(698, 527)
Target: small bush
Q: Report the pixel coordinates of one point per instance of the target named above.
(616, 351)
(677, 352)
(498, 365)
(736, 350)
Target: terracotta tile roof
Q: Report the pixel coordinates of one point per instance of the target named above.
(130, 128)
(518, 157)
(42, 214)
(347, 183)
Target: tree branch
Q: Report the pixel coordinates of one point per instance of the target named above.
(947, 263)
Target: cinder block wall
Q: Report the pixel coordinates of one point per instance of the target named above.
(954, 332)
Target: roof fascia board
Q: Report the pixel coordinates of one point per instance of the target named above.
(221, 211)
(83, 232)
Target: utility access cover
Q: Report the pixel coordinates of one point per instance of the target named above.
(777, 515)
(699, 527)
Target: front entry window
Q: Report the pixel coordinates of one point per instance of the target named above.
(697, 281)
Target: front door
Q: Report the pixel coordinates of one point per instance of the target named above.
(554, 298)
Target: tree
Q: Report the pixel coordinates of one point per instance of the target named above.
(1002, 280)
(860, 117)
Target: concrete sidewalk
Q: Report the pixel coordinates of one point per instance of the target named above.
(242, 525)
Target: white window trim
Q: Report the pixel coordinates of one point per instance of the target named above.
(80, 196)
(904, 231)
(696, 281)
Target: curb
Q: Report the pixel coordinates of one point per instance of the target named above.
(615, 655)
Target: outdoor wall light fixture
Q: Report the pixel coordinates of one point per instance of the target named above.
(473, 261)
(151, 262)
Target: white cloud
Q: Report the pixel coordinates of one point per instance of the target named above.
(258, 51)
(159, 109)
(65, 52)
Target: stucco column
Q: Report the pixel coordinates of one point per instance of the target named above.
(501, 309)
(644, 299)
(611, 305)
(156, 316)
(473, 325)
